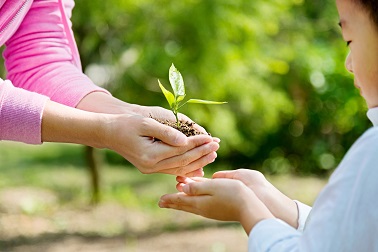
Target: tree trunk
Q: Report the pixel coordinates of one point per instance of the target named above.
(93, 160)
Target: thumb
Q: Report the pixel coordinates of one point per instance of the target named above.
(165, 133)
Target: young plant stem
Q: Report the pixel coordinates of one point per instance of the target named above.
(177, 120)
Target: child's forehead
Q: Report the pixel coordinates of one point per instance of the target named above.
(347, 7)
(351, 12)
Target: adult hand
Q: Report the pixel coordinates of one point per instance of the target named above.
(219, 199)
(174, 154)
(130, 136)
(133, 136)
(278, 203)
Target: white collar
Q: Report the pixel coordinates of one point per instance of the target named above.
(372, 114)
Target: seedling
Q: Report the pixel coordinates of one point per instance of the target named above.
(176, 98)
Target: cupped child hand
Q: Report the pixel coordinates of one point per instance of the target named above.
(278, 203)
(219, 199)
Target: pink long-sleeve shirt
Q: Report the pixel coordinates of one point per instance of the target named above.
(42, 63)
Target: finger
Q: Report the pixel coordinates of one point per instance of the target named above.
(216, 139)
(191, 155)
(170, 198)
(199, 188)
(188, 169)
(167, 156)
(182, 181)
(186, 180)
(196, 173)
(183, 202)
(159, 156)
(179, 186)
(198, 140)
(224, 174)
(165, 133)
(173, 198)
(180, 199)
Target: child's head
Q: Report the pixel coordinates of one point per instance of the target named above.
(359, 24)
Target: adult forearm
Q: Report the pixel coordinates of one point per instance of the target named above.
(64, 124)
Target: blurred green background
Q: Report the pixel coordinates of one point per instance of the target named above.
(292, 110)
(292, 107)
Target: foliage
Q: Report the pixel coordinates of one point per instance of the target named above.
(279, 64)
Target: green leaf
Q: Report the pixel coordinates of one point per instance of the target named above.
(168, 95)
(180, 98)
(176, 81)
(204, 102)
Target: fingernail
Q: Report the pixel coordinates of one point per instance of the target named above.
(216, 139)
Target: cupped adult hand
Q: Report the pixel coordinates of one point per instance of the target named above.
(174, 154)
(134, 137)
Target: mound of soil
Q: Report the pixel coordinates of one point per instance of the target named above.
(185, 127)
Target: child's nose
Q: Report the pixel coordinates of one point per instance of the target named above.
(348, 63)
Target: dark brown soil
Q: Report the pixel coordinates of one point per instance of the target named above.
(185, 127)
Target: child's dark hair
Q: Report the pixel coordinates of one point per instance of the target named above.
(372, 7)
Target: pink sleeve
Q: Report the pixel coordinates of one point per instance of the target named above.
(20, 114)
(42, 57)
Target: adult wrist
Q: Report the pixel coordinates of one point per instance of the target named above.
(103, 130)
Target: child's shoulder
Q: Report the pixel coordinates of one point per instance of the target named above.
(360, 160)
(370, 136)
(365, 148)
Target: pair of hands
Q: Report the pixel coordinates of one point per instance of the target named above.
(131, 132)
(240, 195)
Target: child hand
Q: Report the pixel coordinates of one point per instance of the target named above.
(219, 199)
(278, 203)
